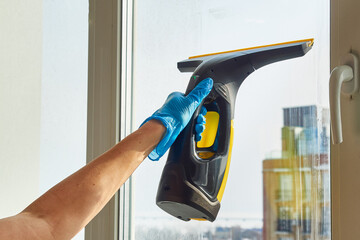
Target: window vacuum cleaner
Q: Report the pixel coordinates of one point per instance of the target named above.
(194, 177)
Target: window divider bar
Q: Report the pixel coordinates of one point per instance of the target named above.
(103, 124)
(126, 10)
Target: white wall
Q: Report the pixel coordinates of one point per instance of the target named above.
(20, 93)
(64, 90)
(43, 97)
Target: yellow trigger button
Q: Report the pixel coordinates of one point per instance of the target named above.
(211, 127)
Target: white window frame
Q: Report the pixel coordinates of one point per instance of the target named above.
(345, 164)
(110, 105)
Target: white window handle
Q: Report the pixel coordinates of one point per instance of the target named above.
(343, 80)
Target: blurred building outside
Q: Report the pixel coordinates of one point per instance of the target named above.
(296, 187)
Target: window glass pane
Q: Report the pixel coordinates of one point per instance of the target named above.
(280, 161)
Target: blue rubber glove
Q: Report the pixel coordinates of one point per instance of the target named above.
(200, 124)
(176, 113)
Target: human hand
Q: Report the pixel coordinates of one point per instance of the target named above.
(176, 113)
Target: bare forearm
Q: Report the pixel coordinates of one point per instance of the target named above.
(66, 208)
(71, 204)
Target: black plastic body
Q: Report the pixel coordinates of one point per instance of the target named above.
(189, 185)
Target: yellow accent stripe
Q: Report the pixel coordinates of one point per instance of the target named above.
(198, 219)
(206, 155)
(223, 183)
(309, 40)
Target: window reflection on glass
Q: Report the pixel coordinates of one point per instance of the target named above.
(280, 112)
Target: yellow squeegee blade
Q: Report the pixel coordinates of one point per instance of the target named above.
(310, 42)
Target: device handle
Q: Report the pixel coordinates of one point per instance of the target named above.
(338, 75)
(343, 80)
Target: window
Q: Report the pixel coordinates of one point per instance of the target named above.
(285, 192)
(285, 216)
(307, 186)
(281, 118)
